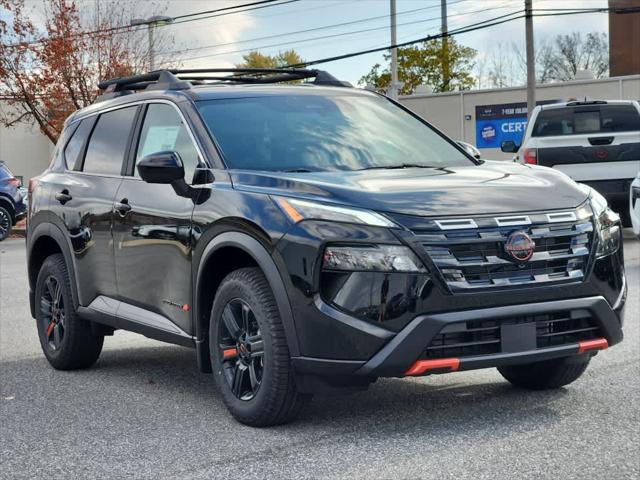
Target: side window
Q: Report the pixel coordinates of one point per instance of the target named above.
(76, 142)
(164, 130)
(108, 143)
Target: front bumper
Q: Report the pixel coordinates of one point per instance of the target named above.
(399, 357)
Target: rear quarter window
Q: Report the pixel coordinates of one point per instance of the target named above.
(586, 119)
(108, 142)
(74, 146)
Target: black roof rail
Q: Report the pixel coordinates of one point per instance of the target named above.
(183, 79)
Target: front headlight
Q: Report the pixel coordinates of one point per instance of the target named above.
(378, 258)
(298, 210)
(607, 225)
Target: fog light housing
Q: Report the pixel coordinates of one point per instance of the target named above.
(367, 258)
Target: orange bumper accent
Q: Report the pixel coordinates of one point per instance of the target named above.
(597, 344)
(422, 366)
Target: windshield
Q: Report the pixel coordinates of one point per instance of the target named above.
(311, 132)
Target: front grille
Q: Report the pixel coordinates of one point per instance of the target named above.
(483, 337)
(470, 253)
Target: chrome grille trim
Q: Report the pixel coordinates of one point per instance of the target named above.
(456, 224)
(511, 221)
(473, 258)
(561, 217)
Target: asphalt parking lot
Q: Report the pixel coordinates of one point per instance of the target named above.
(145, 411)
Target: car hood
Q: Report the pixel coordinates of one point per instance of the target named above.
(489, 188)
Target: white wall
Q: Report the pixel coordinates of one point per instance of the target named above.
(447, 110)
(25, 150)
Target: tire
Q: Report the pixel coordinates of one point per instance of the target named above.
(67, 341)
(548, 374)
(249, 353)
(5, 223)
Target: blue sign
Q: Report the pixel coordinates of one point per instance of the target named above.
(491, 133)
(504, 121)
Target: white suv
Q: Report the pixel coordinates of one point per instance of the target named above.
(594, 142)
(634, 205)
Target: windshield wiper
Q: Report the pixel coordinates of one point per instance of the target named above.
(297, 170)
(402, 165)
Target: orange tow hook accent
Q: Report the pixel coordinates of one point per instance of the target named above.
(597, 344)
(422, 366)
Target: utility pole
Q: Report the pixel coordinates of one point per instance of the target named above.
(152, 23)
(393, 88)
(531, 69)
(445, 46)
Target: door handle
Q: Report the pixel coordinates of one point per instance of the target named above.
(63, 196)
(122, 207)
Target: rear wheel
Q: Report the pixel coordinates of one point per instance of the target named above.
(548, 374)
(67, 341)
(5, 223)
(249, 353)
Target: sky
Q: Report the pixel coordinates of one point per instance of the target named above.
(221, 42)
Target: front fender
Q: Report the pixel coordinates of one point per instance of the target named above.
(264, 260)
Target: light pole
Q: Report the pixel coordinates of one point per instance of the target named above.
(393, 89)
(151, 23)
(531, 70)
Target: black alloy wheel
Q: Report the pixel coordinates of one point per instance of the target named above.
(241, 349)
(53, 313)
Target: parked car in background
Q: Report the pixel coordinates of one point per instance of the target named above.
(470, 149)
(13, 207)
(634, 205)
(594, 142)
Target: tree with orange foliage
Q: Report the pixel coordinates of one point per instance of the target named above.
(48, 72)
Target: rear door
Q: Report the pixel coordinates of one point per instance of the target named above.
(83, 196)
(152, 227)
(591, 142)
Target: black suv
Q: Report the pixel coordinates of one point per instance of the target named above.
(304, 236)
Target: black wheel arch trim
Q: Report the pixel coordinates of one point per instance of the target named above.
(265, 261)
(44, 227)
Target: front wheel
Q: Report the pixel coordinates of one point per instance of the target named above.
(548, 374)
(249, 353)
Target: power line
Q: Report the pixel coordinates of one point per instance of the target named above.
(469, 28)
(127, 28)
(290, 42)
(324, 27)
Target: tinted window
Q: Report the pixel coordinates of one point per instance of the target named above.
(108, 142)
(587, 119)
(163, 130)
(76, 142)
(314, 132)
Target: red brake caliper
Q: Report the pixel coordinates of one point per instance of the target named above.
(50, 328)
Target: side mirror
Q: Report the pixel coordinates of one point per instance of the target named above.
(161, 167)
(509, 146)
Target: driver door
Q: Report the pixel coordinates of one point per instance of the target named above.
(152, 228)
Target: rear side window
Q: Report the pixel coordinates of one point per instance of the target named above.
(76, 142)
(586, 120)
(108, 143)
